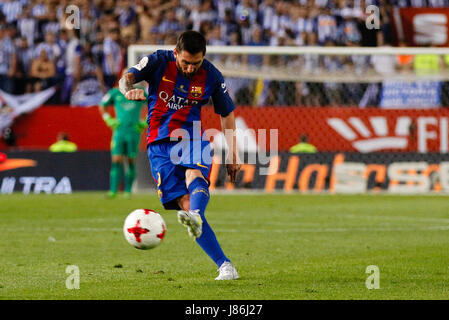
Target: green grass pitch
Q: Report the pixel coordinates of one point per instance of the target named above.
(285, 247)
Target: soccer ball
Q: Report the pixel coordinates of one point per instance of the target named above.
(144, 229)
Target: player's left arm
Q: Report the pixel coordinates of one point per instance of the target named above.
(224, 106)
(232, 161)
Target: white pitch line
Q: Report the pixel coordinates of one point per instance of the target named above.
(332, 230)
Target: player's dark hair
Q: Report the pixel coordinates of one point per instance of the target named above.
(191, 41)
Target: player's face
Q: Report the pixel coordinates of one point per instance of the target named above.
(188, 63)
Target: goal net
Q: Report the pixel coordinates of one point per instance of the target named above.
(377, 116)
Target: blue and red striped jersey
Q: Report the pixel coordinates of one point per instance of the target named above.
(174, 101)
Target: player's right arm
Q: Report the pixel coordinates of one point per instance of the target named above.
(135, 74)
(107, 100)
(126, 85)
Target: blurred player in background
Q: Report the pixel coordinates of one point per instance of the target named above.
(63, 144)
(181, 82)
(127, 128)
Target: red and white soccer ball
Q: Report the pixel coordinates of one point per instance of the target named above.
(144, 229)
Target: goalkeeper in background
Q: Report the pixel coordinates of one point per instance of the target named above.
(127, 128)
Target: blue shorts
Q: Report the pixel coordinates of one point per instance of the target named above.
(169, 161)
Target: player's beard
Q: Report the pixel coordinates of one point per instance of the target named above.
(185, 74)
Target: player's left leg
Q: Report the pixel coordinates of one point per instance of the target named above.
(195, 204)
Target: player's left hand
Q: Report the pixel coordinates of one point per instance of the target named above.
(140, 126)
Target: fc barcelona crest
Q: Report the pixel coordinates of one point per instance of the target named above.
(196, 92)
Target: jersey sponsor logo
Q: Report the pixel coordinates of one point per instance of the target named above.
(167, 80)
(181, 88)
(176, 102)
(201, 165)
(196, 92)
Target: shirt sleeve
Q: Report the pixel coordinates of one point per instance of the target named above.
(145, 67)
(106, 100)
(223, 104)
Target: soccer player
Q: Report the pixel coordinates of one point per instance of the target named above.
(127, 128)
(180, 83)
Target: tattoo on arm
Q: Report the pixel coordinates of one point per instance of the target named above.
(126, 82)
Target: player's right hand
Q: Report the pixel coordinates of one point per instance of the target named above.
(112, 123)
(135, 94)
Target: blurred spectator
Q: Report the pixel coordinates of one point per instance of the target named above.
(51, 23)
(404, 61)
(223, 7)
(42, 72)
(112, 58)
(8, 60)
(301, 24)
(53, 50)
(63, 144)
(91, 88)
(127, 17)
(203, 13)
(72, 64)
(146, 21)
(303, 146)
(386, 64)
(427, 64)
(255, 60)
(246, 10)
(28, 26)
(109, 26)
(266, 14)
(88, 24)
(280, 21)
(11, 9)
(326, 25)
(228, 25)
(62, 41)
(25, 56)
(169, 26)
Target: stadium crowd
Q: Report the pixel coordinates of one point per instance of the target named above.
(84, 60)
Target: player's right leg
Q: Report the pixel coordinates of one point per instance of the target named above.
(117, 171)
(132, 148)
(115, 175)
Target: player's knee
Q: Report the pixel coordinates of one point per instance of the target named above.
(117, 158)
(192, 174)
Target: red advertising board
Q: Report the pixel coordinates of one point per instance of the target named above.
(350, 129)
(329, 129)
